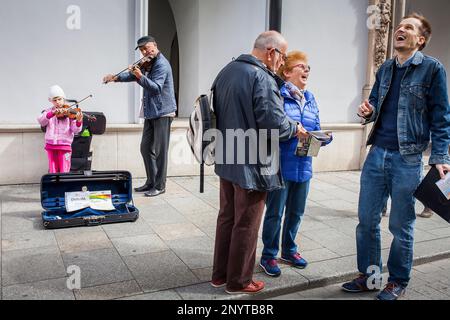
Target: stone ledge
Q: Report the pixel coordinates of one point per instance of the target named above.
(179, 123)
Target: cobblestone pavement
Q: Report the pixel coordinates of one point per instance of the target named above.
(168, 252)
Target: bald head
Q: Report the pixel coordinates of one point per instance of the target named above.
(270, 47)
(268, 40)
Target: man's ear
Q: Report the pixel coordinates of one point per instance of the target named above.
(422, 41)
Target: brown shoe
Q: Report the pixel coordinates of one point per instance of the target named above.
(426, 213)
(252, 288)
(218, 283)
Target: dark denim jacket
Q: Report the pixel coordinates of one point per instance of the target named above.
(159, 93)
(423, 108)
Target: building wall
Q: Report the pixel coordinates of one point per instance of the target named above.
(335, 36)
(436, 12)
(38, 50)
(210, 34)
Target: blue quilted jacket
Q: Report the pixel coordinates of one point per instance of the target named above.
(295, 168)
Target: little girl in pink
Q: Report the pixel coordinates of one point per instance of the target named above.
(59, 132)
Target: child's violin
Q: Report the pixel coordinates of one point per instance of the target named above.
(72, 110)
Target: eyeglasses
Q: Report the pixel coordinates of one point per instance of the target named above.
(304, 67)
(283, 55)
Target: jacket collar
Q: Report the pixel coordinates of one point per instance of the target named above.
(250, 59)
(286, 94)
(417, 59)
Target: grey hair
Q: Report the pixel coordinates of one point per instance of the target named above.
(269, 40)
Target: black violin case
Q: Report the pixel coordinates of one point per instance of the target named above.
(55, 186)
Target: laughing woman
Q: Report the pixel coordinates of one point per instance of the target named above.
(300, 105)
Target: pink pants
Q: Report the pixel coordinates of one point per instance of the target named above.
(59, 161)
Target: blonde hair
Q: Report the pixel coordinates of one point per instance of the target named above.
(292, 58)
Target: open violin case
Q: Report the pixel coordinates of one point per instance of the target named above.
(53, 194)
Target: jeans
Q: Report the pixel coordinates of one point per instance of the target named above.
(293, 198)
(386, 173)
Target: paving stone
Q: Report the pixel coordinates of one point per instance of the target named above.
(55, 289)
(441, 232)
(195, 252)
(31, 265)
(160, 215)
(85, 241)
(203, 274)
(431, 293)
(289, 279)
(306, 244)
(322, 213)
(311, 224)
(121, 230)
(323, 272)
(98, 267)
(21, 222)
(109, 291)
(329, 237)
(187, 205)
(18, 241)
(319, 255)
(292, 296)
(202, 291)
(160, 271)
(139, 245)
(176, 231)
(160, 295)
(339, 205)
(203, 218)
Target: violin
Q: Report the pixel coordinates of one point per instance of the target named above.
(71, 111)
(143, 64)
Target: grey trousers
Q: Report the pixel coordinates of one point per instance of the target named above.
(155, 149)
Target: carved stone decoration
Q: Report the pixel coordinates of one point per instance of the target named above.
(382, 32)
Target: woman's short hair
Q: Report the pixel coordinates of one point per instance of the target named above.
(292, 58)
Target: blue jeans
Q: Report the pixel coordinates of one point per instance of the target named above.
(386, 173)
(293, 198)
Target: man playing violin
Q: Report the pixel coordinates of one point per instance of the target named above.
(154, 75)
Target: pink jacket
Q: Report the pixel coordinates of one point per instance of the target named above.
(59, 131)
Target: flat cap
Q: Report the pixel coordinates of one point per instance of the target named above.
(144, 40)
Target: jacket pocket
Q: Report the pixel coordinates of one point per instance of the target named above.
(418, 96)
(417, 101)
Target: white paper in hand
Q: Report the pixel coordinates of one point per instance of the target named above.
(444, 186)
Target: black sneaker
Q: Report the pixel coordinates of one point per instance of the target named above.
(144, 188)
(154, 192)
(358, 285)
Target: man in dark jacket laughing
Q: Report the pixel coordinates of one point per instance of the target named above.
(251, 121)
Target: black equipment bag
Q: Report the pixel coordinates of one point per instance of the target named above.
(95, 123)
(55, 186)
(81, 154)
(431, 196)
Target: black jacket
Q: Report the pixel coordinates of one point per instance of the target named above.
(246, 100)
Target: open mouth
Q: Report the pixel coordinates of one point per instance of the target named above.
(401, 37)
(305, 78)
